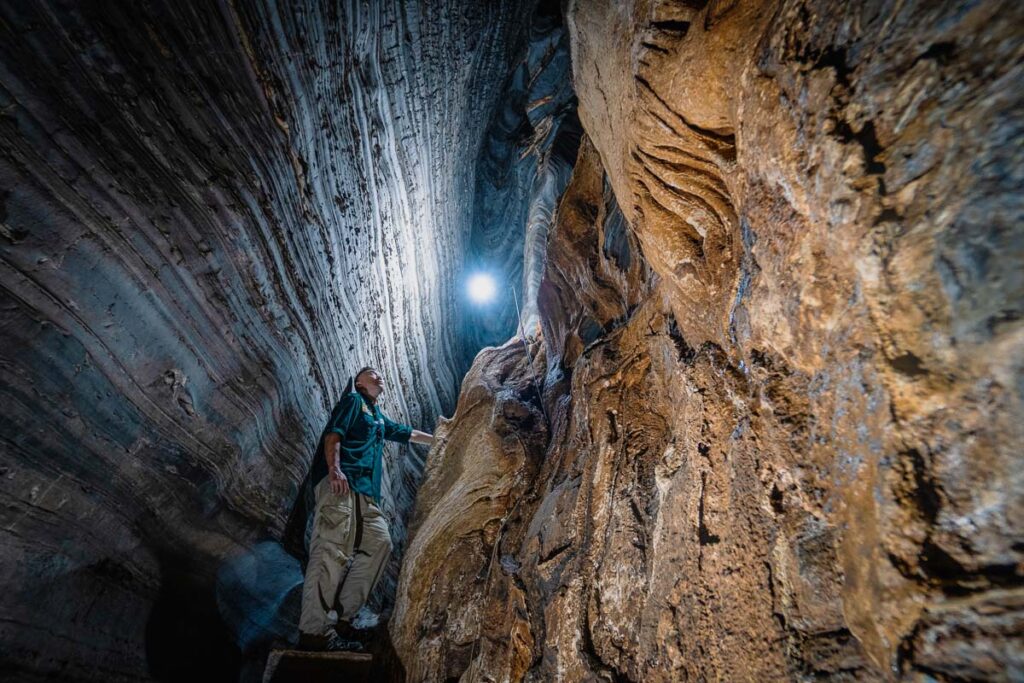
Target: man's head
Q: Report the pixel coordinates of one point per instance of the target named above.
(369, 383)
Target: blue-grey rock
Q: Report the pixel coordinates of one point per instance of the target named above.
(211, 214)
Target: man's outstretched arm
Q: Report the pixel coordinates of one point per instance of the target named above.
(421, 437)
(394, 431)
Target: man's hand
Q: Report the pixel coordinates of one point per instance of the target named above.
(339, 482)
(421, 437)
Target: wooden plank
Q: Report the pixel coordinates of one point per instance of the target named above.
(316, 667)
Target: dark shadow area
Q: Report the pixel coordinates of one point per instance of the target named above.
(387, 667)
(186, 640)
(293, 540)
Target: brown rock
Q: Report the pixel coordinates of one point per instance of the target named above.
(794, 451)
(477, 476)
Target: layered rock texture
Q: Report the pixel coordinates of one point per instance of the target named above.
(781, 360)
(770, 427)
(211, 213)
(528, 152)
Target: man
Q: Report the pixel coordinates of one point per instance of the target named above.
(348, 523)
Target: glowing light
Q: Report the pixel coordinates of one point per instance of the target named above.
(481, 288)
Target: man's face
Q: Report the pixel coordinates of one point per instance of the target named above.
(371, 383)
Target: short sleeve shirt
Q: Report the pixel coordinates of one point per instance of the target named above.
(363, 428)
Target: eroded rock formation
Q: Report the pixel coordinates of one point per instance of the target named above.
(492, 447)
(791, 449)
(771, 428)
(211, 213)
(528, 152)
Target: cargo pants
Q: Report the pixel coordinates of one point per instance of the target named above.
(345, 527)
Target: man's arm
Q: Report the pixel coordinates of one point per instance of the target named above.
(402, 433)
(421, 437)
(332, 449)
(394, 431)
(347, 410)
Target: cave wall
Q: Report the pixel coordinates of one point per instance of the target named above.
(524, 165)
(783, 354)
(210, 215)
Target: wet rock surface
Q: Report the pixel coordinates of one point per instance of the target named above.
(784, 394)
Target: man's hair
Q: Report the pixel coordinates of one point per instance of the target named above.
(355, 377)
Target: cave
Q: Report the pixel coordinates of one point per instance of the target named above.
(747, 402)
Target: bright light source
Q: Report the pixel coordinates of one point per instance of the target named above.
(481, 288)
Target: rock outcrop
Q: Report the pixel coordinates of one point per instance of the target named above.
(211, 213)
(481, 472)
(782, 328)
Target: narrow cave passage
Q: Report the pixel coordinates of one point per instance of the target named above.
(743, 404)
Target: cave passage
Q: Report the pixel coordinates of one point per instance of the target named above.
(712, 309)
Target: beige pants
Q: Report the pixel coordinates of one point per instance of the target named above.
(344, 527)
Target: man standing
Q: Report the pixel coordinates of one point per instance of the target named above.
(348, 523)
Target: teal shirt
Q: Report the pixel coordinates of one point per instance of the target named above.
(363, 429)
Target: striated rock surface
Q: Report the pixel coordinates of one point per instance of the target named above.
(785, 405)
(523, 168)
(210, 215)
(779, 429)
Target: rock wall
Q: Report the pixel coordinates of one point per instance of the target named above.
(489, 452)
(785, 395)
(528, 153)
(211, 213)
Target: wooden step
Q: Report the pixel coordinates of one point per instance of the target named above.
(285, 666)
